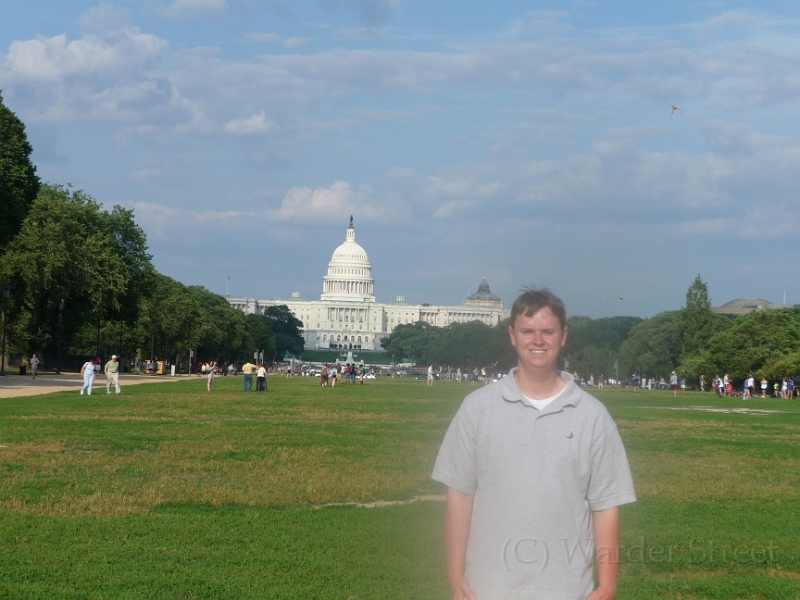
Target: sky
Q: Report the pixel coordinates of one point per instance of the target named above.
(531, 143)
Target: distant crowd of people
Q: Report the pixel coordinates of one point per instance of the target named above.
(784, 389)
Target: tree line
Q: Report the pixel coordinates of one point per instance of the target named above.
(692, 341)
(79, 280)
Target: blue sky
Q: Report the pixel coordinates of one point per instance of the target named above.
(531, 143)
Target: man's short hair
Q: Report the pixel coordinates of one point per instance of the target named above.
(532, 301)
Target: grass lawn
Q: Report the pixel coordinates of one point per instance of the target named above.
(171, 492)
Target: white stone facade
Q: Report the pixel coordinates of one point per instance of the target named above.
(347, 316)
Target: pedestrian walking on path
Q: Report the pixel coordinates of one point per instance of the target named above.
(87, 370)
(112, 374)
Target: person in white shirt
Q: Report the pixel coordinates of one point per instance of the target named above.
(87, 370)
(261, 378)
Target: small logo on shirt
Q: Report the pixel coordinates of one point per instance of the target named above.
(569, 435)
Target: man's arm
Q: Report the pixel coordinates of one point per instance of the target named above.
(606, 540)
(456, 534)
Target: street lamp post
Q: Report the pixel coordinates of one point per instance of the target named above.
(60, 312)
(6, 294)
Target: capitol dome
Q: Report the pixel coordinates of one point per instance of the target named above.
(349, 277)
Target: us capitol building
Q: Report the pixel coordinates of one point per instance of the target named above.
(347, 317)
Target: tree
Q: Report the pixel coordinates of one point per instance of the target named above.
(653, 346)
(287, 329)
(698, 323)
(221, 330)
(260, 336)
(69, 249)
(593, 344)
(19, 183)
(473, 344)
(755, 343)
(411, 341)
(169, 318)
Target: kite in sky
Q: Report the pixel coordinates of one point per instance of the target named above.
(675, 109)
(618, 298)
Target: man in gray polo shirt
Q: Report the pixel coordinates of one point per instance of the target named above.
(536, 471)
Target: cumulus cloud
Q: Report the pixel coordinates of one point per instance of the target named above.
(195, 88)
(253, 125)
(320, 204)
(300, 205)
(47, 60)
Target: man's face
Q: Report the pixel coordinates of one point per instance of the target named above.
(538, 339)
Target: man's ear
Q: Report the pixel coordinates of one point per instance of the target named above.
(564, 336)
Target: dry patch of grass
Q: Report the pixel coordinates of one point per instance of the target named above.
(54, 479)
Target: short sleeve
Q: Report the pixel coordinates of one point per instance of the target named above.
(610, 483)
(456, 464)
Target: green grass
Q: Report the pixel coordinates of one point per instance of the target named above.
(168, 491)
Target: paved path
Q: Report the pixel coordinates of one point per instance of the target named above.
(12, 386)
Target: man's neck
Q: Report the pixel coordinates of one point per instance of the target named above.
(538, 385)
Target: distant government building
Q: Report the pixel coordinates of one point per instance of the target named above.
(742, 306)
(346, 317)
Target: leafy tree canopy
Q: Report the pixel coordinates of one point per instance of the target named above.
(744, 348)
(70, 249)
(698, 323)
(221, 330)
(287, 329)
(473, 344)
(260, 336)
(411, 341)
(19, 183)
(653, 346)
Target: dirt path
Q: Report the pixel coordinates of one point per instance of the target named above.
(15, 386)
(382, 503)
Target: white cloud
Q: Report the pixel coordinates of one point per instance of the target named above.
(300, 205)
(53, 59)
(255, 124)
(181, 9)
(321, 204)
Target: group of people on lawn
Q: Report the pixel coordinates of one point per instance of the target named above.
(784, 389)
(332, 372)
